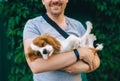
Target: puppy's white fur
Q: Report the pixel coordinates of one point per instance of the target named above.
(73, 42)
(40, 49)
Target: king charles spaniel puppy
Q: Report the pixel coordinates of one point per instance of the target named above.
(45, 45)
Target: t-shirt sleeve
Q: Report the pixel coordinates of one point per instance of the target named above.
(30, 30)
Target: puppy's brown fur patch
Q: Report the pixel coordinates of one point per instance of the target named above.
(41, 41)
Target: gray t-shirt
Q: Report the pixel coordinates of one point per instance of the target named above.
(37, 26)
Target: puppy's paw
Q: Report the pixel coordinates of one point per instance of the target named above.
(89, 24)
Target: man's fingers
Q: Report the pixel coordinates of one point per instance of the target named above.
(95, 63)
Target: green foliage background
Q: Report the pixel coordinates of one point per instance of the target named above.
(105, 16)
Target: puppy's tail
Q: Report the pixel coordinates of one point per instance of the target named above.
(99, 47)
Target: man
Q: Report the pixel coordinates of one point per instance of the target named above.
(60, 67)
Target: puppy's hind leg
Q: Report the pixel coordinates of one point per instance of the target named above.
(89, 28)
(90, 40)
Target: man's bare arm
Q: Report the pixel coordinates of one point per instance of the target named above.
(55, 62)
(81, 66)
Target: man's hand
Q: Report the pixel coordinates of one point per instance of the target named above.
(87, 56)
(96, 63)
(80, 66)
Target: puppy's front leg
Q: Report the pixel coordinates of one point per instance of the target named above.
(51, 52)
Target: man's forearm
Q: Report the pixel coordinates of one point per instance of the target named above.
(77, 67)
(57, 61)
(53, 63)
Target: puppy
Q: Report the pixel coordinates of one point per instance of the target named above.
(45, 45)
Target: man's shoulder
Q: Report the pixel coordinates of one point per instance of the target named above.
(35, 20)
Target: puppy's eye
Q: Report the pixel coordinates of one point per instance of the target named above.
(38, 54)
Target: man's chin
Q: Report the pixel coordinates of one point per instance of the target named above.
(56, 13)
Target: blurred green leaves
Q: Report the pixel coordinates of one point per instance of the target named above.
(17, 12)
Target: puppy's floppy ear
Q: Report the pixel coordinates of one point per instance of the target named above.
(52, 41)
(32, 55)
(37, 40)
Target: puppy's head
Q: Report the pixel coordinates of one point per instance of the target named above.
(45, 45)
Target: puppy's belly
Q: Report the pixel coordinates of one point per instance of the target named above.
(66, 46)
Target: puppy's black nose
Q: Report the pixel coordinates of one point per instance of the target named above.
(45, 51)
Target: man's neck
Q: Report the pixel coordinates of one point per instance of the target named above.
(59, 19)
